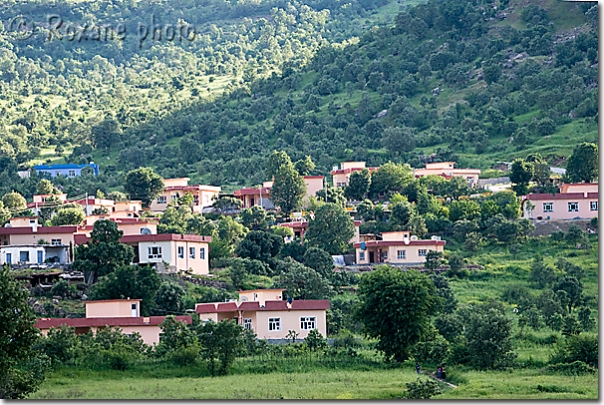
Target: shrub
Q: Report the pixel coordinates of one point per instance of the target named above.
(575, 368)
(422, 389)
(63, 288)
(184, 356)
(583, 347)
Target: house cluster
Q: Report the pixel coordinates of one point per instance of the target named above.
(266, 312)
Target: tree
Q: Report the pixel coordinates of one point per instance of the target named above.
(5, 214)
(143, 184)
(433, 260)
(230, 231)
(197, 224)
(412, 300)
(175, 335)
(304, 166)
(334, 195)
(256, 218)
(68, 216)
(225, 204)
(14, 201)
(401, 213)
(22, 368)
(582, 165)
(456, 263)
(104, 253)
(464, 209)
(365, 210)
(44, 187)
(288, 188)
(320, 261)
(520, 175)
(358, 185)
(220, 342)
(128, 282)
(491, 73)
(391, 178)
(259, 245)
(398, 140)
(169, 299)
(573, 289)
(275, 161)
(542, 274)
(301, 282)
(331, 229)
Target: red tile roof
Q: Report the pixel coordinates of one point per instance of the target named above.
(20, 230)
(314, 177)
(268, 306)
(249, 306)
(47, 323)
(227, 307)
(353, 169)
(562, 196)
(379, 243)
(252, 191)
(160, 237)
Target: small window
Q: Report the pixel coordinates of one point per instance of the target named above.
(274, 324)
(400, 254)
(202, 253)
(161, 199)
(133, 306)
(422, 252)
(72, 173)
(385, 255)
(24, 256)
(573, 207)
(155, 252)
(308, 322)
(361, 255)
(192, 253)
(32, 221)
(548, 207)
(593, 205)
(181, 252)
(247, 323)
(55, 242)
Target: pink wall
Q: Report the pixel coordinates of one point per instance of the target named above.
(560, 209)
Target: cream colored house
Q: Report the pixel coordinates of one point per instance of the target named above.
(397, 248)
(341, 175)
(124, 314)
(574, 201)
(203, 196)
(269, 318)
(448, 170)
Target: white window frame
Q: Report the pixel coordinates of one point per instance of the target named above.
(247, 324)
(401, 254)
(191, 253)
(422, 252)
(274, 324)
(593, 205)
(308, 322)
(361, 255)
(181, 252)
(548, 207)
(576, 204)
(162, 199)
(56, 242)
(157, 254)
(202, 253)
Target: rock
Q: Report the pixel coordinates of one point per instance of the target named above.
(55, 301)
(381, 114)
(84, 297)
(57, 297)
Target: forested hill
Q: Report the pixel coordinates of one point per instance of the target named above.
(471, 80)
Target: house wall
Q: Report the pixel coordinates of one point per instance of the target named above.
(166, 252)
(196, 264)
(395, 236)
(440, 165)
(149, 333)
(23, 221)
(411, 253)
(352, 165)
(34, 237)
(290, 320)
(261, 296)
(135, 228)
(41, 198)
(134, 206)
(560, 209)
(579, 188)
(313, 185)
(14, 253)
(111, 309)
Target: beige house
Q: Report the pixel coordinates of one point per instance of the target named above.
(130, 226)
(300, 227)
(341, 175)
(448, 170)
(32, 234)
(397, 248)
(268, 317)
(574, 201)
(203, 196)
(261, 196)
(124, 314)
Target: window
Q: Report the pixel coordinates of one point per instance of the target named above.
(32, 221)
(361, 255)
(196, 200)
(274, 324)
(385, 255)
(161, 199)
(247, 323)
(55, 242)
(174, 197)
(573, 207)
(72, 173)
(192, 253)
(181, 252)
(133, 306)
(548, 207)
(155, 252)
(400, 254)
(24, 257)
(421, 252)
(202, 253)
(594, 205)
(308, 322)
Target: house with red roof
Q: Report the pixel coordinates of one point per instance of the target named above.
(268, 315)
(396, 248)
(124, 313)
(448, 170)
(23, 242)
(261, 195)
(203, 196)
(574, 201)
(341, 174)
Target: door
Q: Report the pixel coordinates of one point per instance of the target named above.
(252, 201)
(134, 311)
(371, 257)
(40, 257)
(9, 258)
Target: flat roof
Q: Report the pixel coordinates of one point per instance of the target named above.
(215, 307)
(47, 323)
(21, 230)
(160, 237)
(379, 243)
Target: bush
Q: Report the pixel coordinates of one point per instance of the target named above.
(422, 389)
(575, 368)
(64, 289)
(184, 356)
(583, 347)
(515, 293)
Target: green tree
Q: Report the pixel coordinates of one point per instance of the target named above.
(542, 274)
(68, 216)
(358, 185)
(225, 203)
(220, 342)
(197, 224)
(143, 184)
(582, 165)
(401, 213)
(464, 209)
(175, 335)
(398, 140)
(5, 214)
(301, 282)
(230, 231)
(288, 188)
(256, 218)
(433, 260)
(520, 175)
(45, 187)
(334, 195)
(304, 166)
(390, 177)
(22, 368)
(104, 253)
(573, 289)
(169, 299)
(259, 245)
(412, 300)
(331, 229)
(320, 261)
(275, 161)
(14, 201)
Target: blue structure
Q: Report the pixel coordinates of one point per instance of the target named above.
(67, 170)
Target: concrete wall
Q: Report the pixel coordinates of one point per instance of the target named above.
(560, 209)
(290, 320)
(112, 309)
